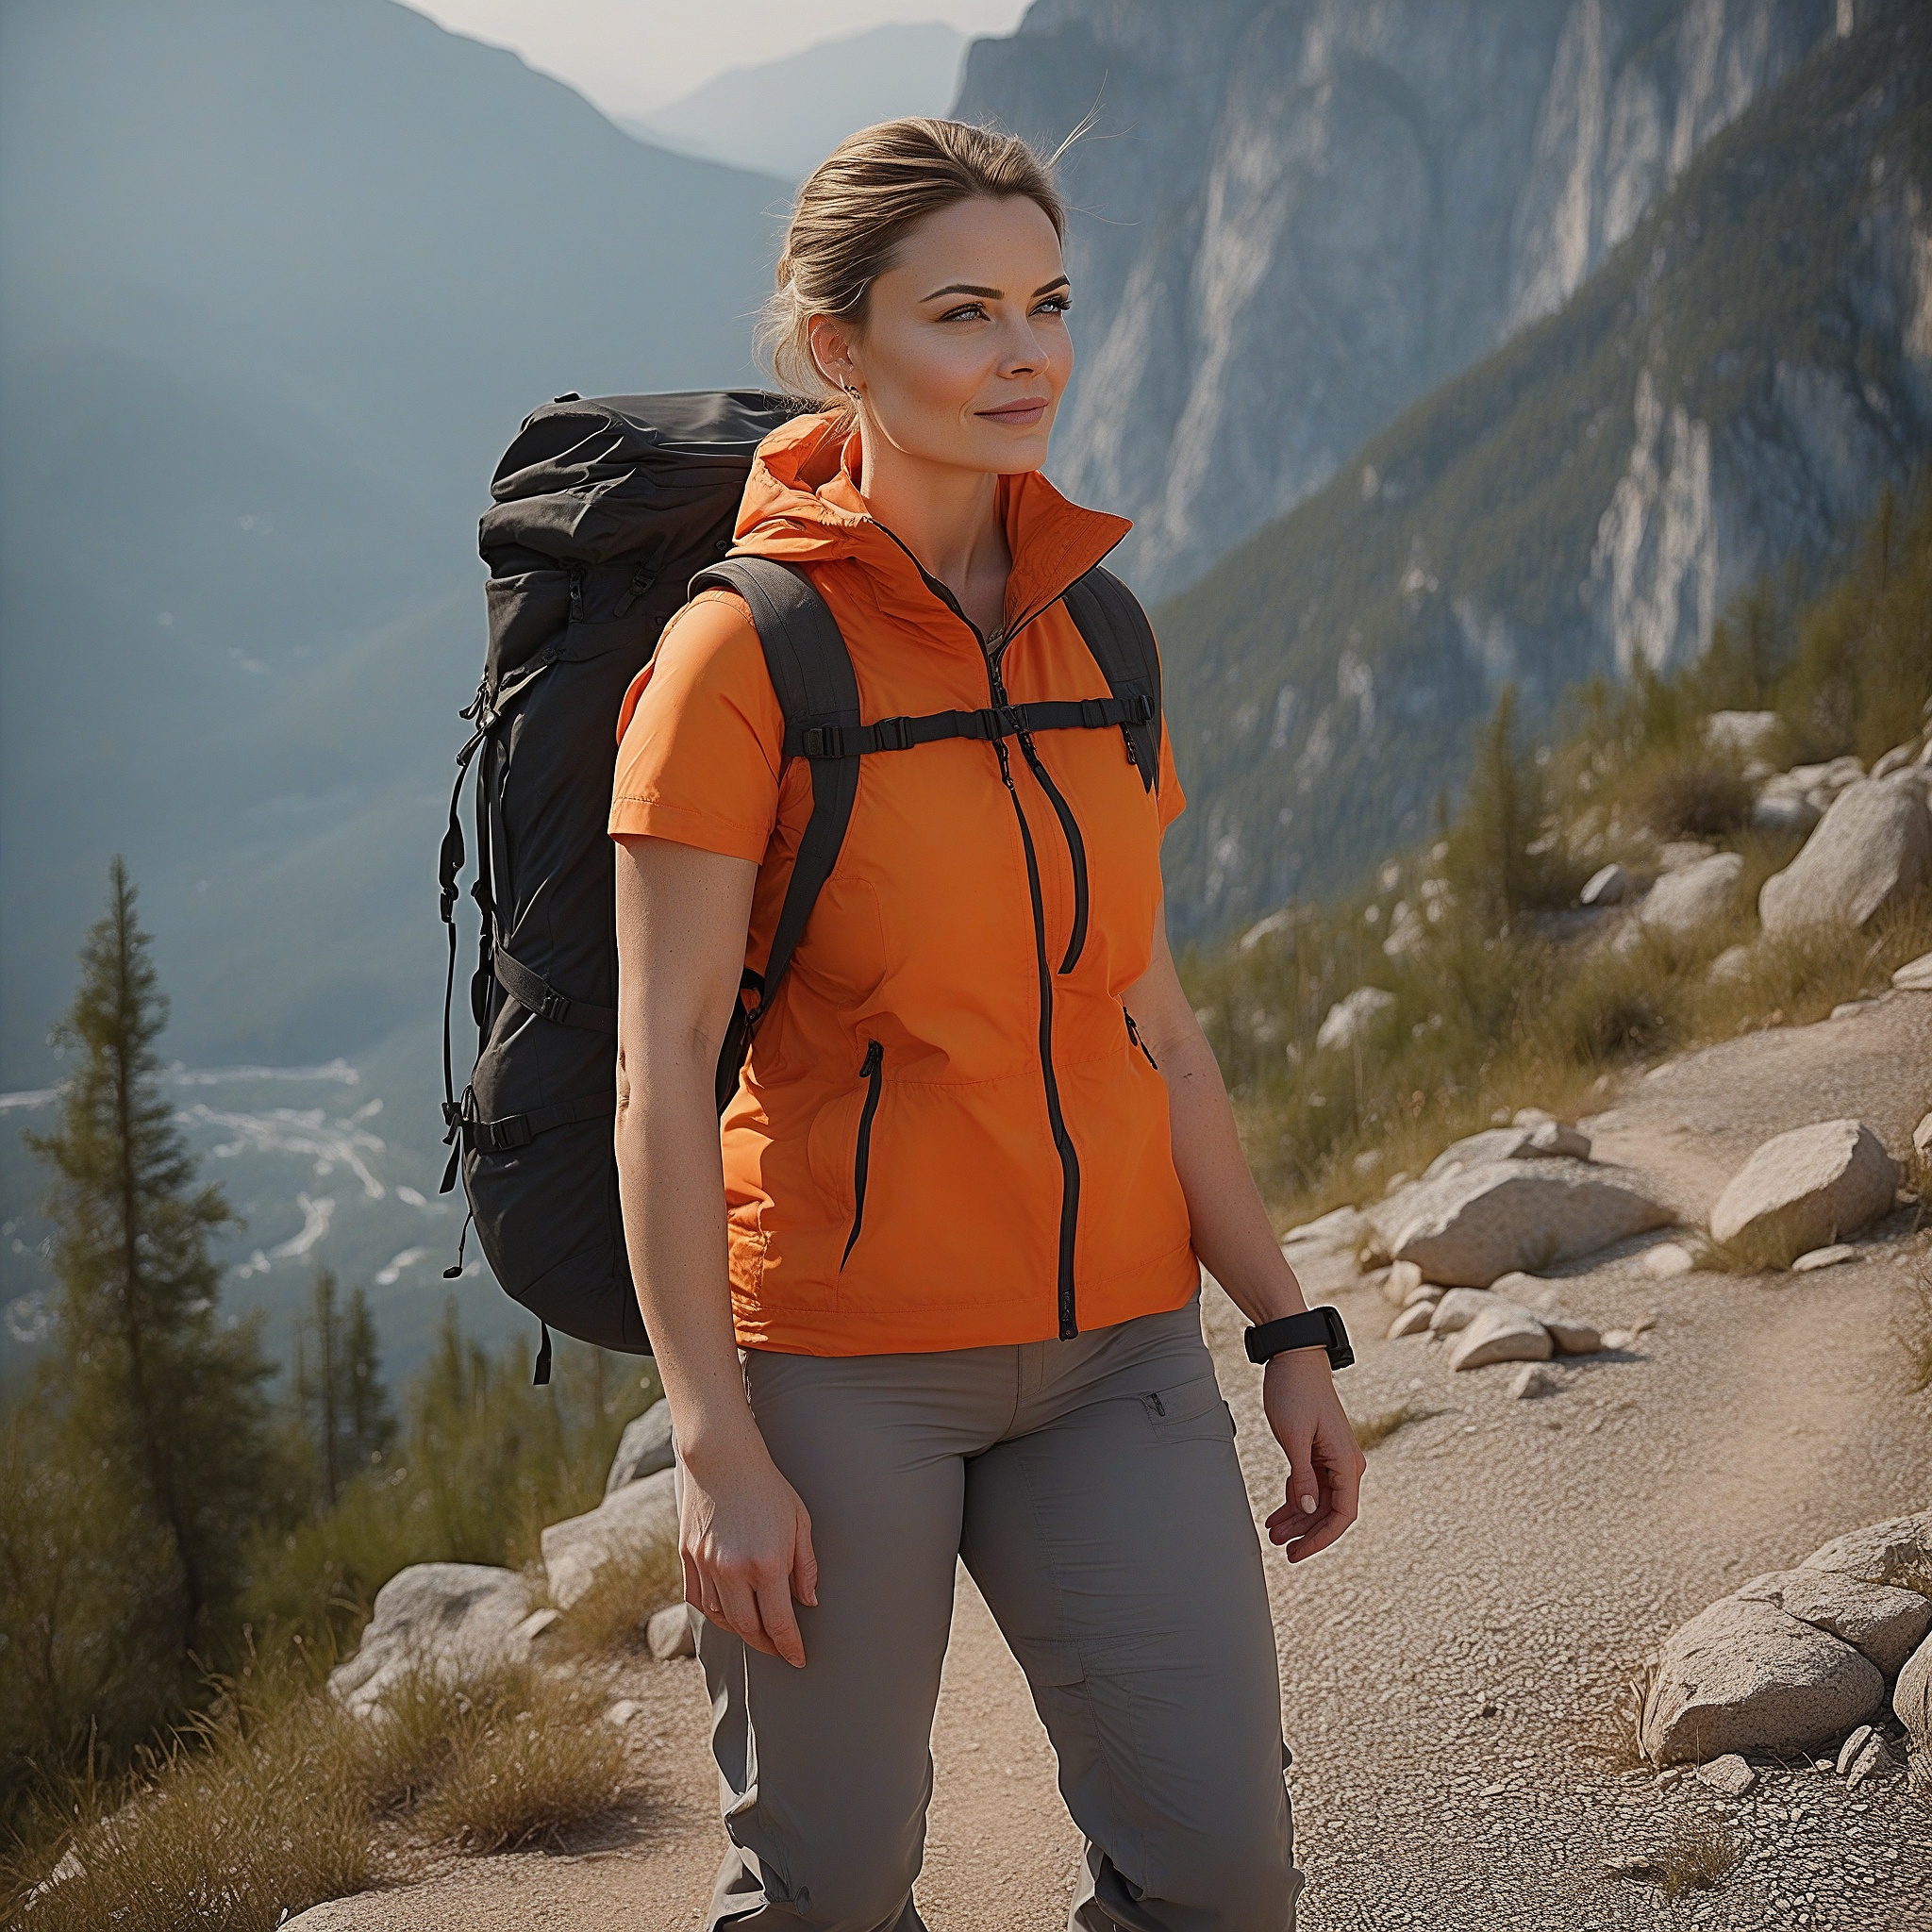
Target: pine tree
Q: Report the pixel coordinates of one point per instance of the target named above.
(159, 1395)
(1489, 862)
(342, 1409)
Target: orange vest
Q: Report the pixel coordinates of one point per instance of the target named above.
(945, 1134)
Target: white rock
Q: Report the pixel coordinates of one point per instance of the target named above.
(1611, 886)
(1349, 1019)
(1825, 1257)
(1880, 1552)
(626, 1522)
(1667, 1261)
(1874, 1761)
(1729, 1774)
(1570, 1336)
(1749, 734)
(1683, 902)
(1457, 1308)
(1916, 976)
(1532, 1381)
(538, 1621)
(1559, 1138)
(669, 1634)
(1732, 964)
(1428, 1293)
(458, 1622)
(1848, 1750)
(1414, 1320)
(1805, 1188)
(1897, 758)
(1911, 1698)
(1877, 1620)
(1516, 1285)
(1401, 1282)
(1748, 1676)
(1468, 1226)
(1340, 1229)
(1849, 1009)
(1472, 1150)
(1617, 1339)
(1676, 853)
(622, 1711)
(1505, 1333)
(1873, 849)
(1921, 1139)
(644, 1449)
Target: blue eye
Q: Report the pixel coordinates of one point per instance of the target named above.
(1058, 305)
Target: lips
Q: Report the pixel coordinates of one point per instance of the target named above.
(1023, 413)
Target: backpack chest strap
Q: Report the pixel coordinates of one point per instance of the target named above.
(809, 740)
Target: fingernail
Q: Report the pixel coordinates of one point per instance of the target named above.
(1308, 1504)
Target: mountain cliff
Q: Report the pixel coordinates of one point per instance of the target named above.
(1724, 397)
(1294, 217)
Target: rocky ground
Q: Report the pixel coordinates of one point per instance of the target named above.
(1452, 1671)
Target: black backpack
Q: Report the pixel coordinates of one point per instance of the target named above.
(607, 513)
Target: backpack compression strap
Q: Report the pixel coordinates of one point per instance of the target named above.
(811, 673)
(1115, 628)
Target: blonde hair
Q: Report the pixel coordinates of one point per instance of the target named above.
(856, 207)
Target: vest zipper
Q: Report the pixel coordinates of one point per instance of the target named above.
(1134, 1034)
(861, 1153)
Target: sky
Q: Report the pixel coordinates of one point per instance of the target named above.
(631, 55)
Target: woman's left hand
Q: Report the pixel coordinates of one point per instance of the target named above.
(1324, 1466)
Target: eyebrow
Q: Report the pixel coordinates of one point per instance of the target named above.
(994, 295)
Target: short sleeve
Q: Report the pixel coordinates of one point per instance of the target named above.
(1167, 784)
(700, 738)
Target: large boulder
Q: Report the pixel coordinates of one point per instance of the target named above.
(644, 1449)
(1349, 1019)
(1687, 901)
(1886, 1552)
(1531, 1140)
(1507, 1332)
(1877, 1621)
(1805, 1189)
(627, 1525)
(1470, 1224)
(1911, 1697)
(457, 1620)
(1871, 849)
(1748, 1676)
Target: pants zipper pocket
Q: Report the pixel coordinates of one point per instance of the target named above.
(861, 1154)
(1134, 1034)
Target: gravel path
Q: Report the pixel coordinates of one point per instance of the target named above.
(1448, 1664)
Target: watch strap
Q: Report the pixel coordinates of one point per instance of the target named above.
(1317, 1328)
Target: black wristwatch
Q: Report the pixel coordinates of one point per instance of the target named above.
(1318, 1328)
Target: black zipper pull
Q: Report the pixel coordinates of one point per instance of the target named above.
(577, 593)
(1127, 739)
(1134, 1034)
(875, 1053)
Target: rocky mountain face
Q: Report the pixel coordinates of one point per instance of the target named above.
(1723, 398)
(1297, 216)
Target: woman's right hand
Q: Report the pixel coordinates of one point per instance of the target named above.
(744, 1538)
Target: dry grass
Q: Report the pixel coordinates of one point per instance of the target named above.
(1698, 1856)
(609, 1618)
(1371, 1431)
(1613, 1743)
(271, 1803)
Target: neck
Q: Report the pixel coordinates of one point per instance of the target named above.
(947, 516)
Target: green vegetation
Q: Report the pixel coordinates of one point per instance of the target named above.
(1503, 994)
(1325, 677)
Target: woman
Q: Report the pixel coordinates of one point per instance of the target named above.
(979, 1150)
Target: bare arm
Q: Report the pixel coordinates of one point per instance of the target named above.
(744, 1537)
(1236, 1243)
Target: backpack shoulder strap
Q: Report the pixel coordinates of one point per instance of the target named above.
(1116, 630)
(811, 671)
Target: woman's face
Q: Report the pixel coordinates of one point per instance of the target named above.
(964, 351)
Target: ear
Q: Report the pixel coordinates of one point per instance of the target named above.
(831, 349)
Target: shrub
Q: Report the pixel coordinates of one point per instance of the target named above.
(1695, 799)
(628, 1591)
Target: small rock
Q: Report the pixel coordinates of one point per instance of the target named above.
(1559, 1137)
(1532, 1381)
(1570, 1336)
(1921, 1139)
(1915, 976)
(538, 1621)
(1341, 1229)
(1849, 1750)
(1896, 759)
(1784, 811)
(1666, 1260)
(1349, 1019)
(1871, 849)
(1848, 1009)
(622, 1711)
(1746, 1676)
(1746, 734)
(1414, 1320)
(1493, 1144)
(1428, 1292)
(1402, 1280)
(1634, 1865)
(1911, 1698)
(1805, 1188)
(1457, 1308)
(1617, 1339)
(1608, 887)
(1518, 1286)
(1530, 1117)
(1685, 902)
(1825, 1257)
(669, 1633)
(1366, 1162)
(1732, 963)
(1505, 1333)
(1874, 1761)
(644, 1449)
(1729, 1774)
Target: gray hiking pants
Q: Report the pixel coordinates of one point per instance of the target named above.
(1092, 1488)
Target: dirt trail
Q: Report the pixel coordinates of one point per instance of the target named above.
(1442, 1665)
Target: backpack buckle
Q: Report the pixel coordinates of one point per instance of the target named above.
(822, 741)
(555, 1007)
(1144, 707)
(893, 734)
(1092, 714)
(504, 1136)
